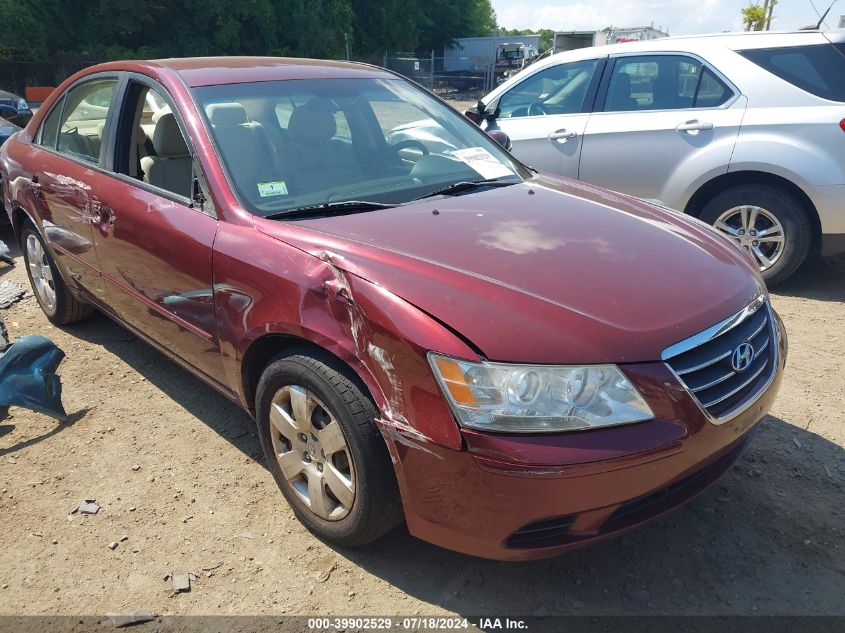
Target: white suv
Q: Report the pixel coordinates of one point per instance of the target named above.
(745, 131)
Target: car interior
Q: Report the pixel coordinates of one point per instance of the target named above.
(558, 89)
(318, 148)
(83, 118)
(663, 82)
(280, 148)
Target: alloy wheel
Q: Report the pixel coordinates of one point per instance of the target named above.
(312, 452)
(755, 229)
(41, 273)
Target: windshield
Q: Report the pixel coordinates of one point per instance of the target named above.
(298, 143)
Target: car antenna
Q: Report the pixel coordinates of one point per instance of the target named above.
(818, 25)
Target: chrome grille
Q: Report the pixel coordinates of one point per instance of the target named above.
(704, 364)
(7, 101)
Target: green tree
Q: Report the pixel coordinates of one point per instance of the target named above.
(757, 17)
(108, 29)
(31, 29)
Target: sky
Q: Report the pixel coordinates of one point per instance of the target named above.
(681, 17)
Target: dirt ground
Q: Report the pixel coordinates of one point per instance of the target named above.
(767, 539)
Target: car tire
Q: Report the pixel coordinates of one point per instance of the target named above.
(773, 204)
(320, 494)
(53, 295)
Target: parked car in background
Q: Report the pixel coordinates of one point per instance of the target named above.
(6, 130)
(515, 363)
(744, 131)
(14, 109)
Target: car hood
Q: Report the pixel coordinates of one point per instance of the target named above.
(548, 271)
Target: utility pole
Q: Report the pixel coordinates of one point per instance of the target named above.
(771, 7)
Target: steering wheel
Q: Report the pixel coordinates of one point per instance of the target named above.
(537, 109)
(408, 143)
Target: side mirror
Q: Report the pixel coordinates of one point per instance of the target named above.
(21, 117)
(476, 112)
(8, 112)
(501, 138)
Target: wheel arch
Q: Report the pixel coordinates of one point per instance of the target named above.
(19, 217)
(712, 187)
(262, 350)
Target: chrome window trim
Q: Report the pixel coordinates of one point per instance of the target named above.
(715, 331)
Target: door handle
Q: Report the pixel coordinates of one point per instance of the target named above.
(562, 135)
(694, 126)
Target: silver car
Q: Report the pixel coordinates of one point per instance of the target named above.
(744, 131)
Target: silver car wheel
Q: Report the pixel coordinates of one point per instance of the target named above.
(312, 453)
(756, 230)
(41, 273)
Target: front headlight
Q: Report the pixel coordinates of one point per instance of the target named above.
(537, 398)
(22, 104)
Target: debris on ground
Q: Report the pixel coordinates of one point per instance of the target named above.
(797, 442)
(138, 616)
(6, 254)
(10, 292)
(113, 545)
(88, 506)
(321, 578)
(181, 582)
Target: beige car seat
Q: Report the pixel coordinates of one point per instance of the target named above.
(170, 169)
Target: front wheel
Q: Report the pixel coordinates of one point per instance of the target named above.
(318, 432)
(770, 223)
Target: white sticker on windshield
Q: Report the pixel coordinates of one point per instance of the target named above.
(268, 189)
(483, 162)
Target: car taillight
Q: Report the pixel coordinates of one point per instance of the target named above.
(842, 124)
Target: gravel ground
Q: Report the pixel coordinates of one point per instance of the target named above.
(178, 474)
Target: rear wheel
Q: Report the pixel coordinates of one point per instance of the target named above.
(770, 223)
(318, 432)
(53, 295)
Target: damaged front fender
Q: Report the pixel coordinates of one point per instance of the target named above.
(28, 377)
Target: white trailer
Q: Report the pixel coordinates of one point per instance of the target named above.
(570, 40)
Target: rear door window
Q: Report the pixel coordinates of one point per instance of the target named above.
(818, 69)
(50, 127)
(84, 119)
(663, 82)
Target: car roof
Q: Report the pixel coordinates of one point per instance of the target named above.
(208, 71)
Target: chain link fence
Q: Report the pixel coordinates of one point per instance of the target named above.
(17, 76)
(466, 81)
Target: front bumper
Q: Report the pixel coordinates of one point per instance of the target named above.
(517, 497)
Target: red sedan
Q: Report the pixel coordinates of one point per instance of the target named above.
(423, 328)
